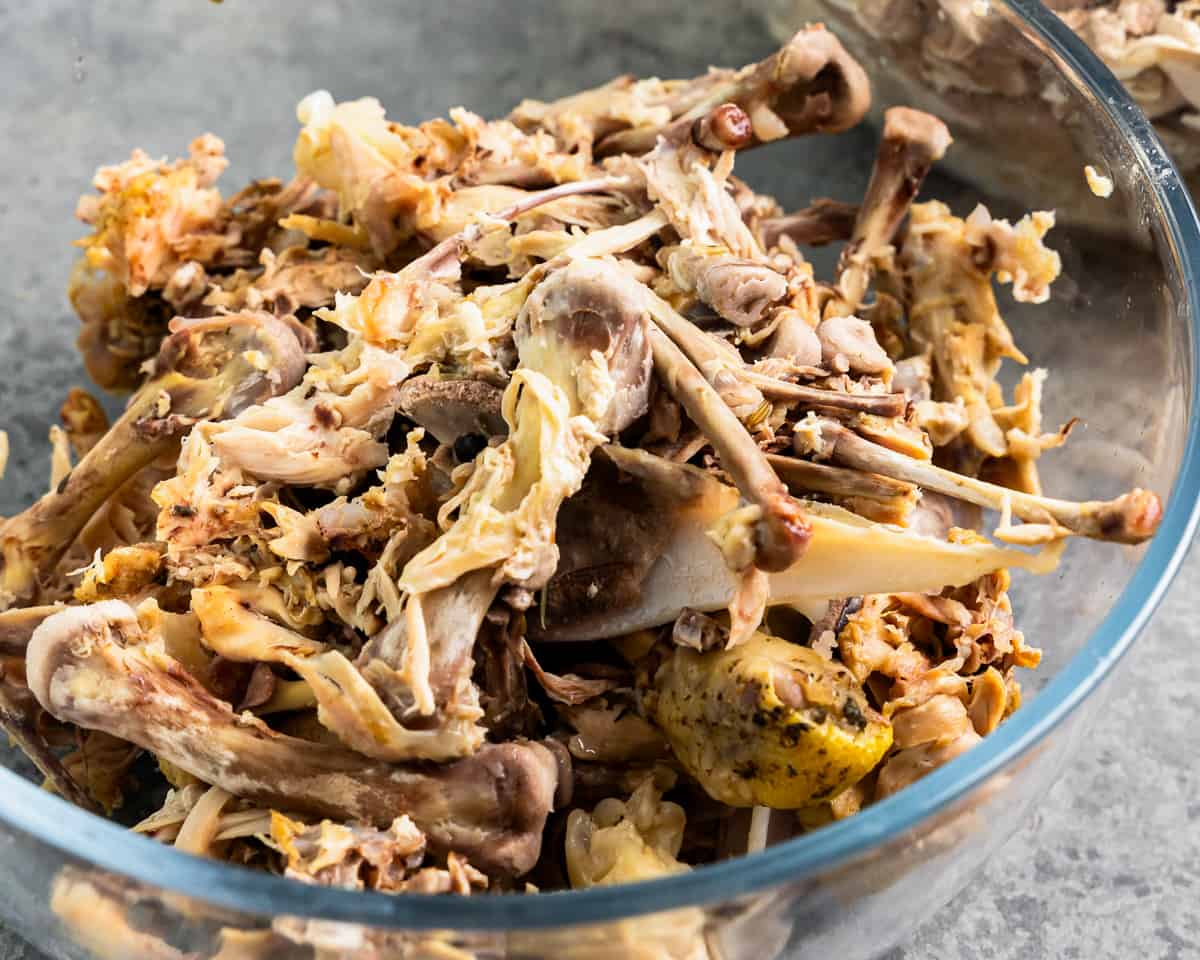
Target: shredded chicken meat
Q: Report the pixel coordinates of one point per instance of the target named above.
(509, 498)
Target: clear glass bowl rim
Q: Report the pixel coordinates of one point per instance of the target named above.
(96, 842)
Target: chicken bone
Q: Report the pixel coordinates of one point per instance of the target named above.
(347, 704)
(1132, 517)
(912, 141)
(846, 556)
(781, 531)
(810, 85)
(94, 666)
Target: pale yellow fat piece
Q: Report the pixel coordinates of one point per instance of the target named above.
(508, 508)
(625, 841)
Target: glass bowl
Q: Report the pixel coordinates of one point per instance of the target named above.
(85, 82)
(960, 60)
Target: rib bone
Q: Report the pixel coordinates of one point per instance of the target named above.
(91, 666)
(879, 404)
(206, 369)
(1131, 518)
(782, 532)
(743, 388)
(443, 259)
(822, 222)
(868, 494)
(837, 481)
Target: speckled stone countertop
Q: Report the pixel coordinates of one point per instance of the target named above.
(1109, 866)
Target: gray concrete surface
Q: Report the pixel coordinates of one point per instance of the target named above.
(1111, 862)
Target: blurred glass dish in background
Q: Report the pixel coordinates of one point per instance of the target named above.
(960, 53)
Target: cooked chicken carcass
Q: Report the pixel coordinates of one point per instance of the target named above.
(161, 235)
(513, 499)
